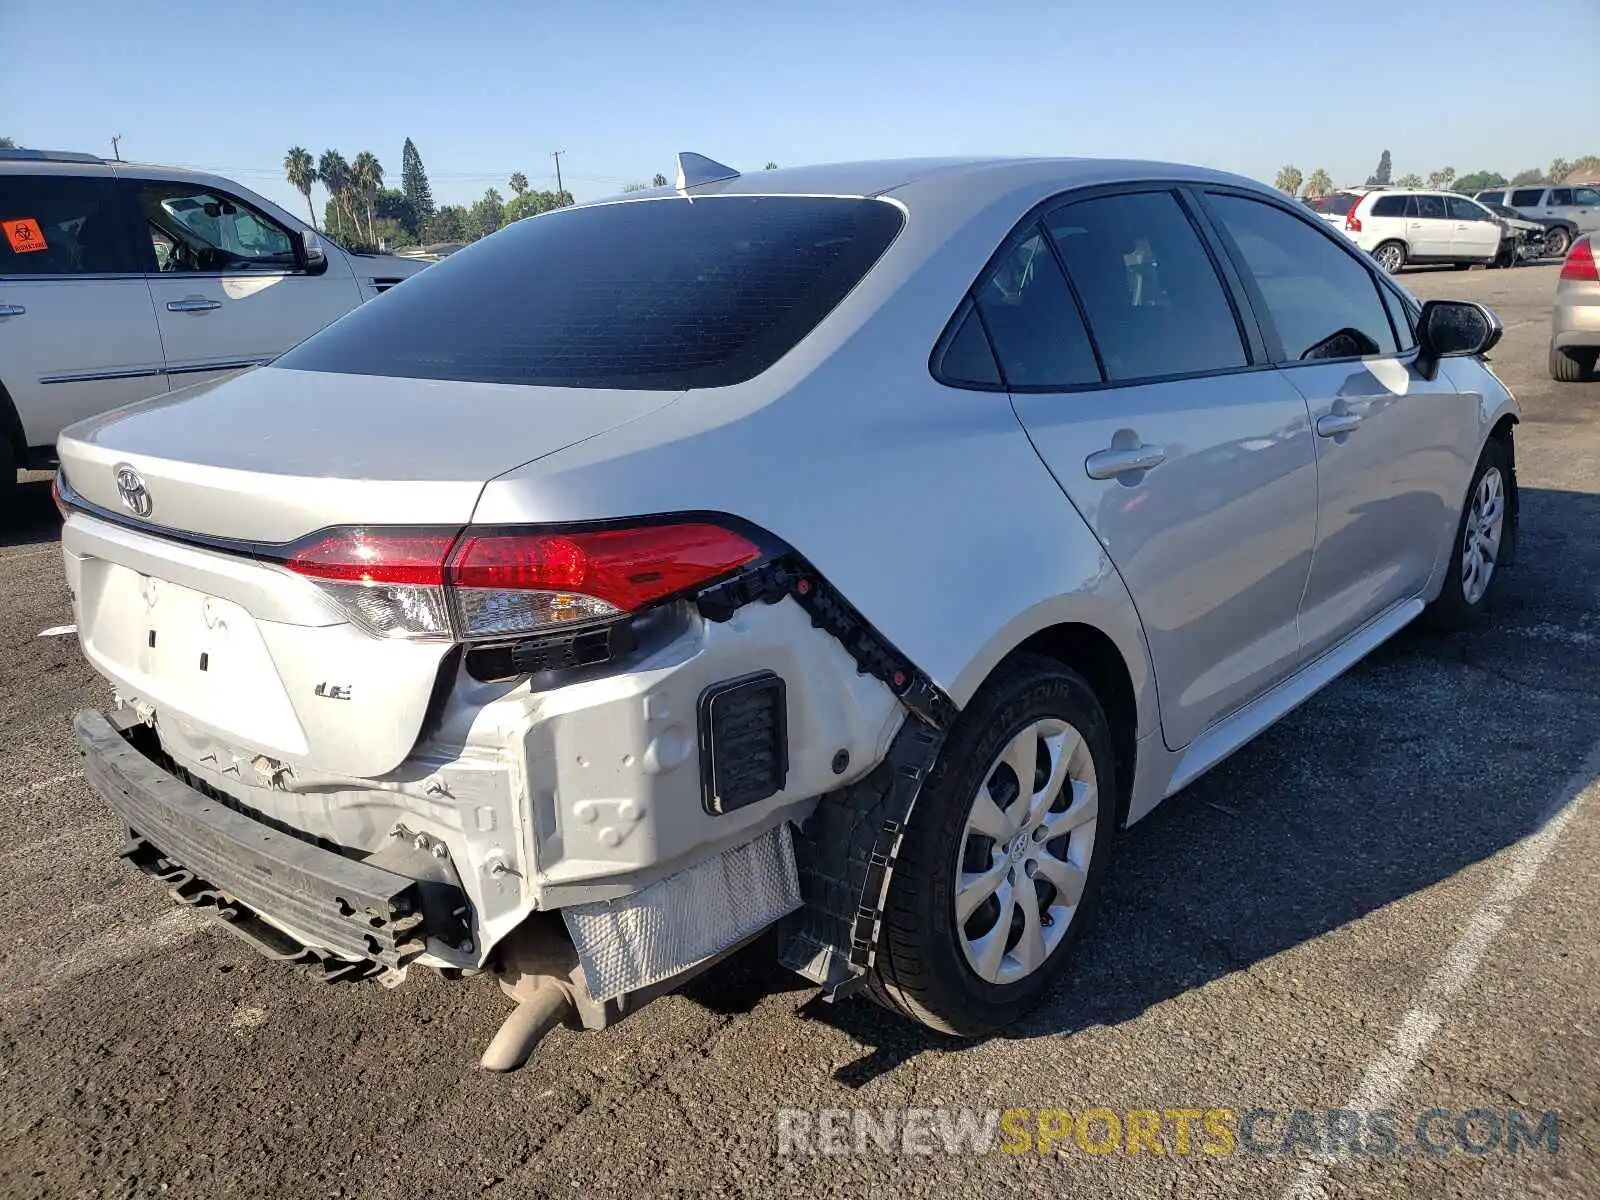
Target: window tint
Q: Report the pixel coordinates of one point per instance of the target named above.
(59, 225)
(1430, 207)
(1152, 297)
(1389, 206)
(660, 294)
(1320, 298)
(1585, 196)
(1560, 196)
(1527, 197)
(1037, 333)
(1491, 197)
(1463, 209)
(967, 357)
(193, 230)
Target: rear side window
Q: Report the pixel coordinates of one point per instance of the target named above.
(651, 294)
(1491, 197)
(1560, 196)
(1320, 299)
(967, 357)
(1038, 335)
(60, 225)
(1527, 197)
(1338, 204)
(1153, 300)
(1389, 206)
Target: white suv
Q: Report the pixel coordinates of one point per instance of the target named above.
(119, 282)
(1413, 226)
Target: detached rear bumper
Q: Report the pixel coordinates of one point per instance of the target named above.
(290, 898)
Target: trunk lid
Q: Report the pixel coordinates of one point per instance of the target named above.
(238, 657)
(271, 455)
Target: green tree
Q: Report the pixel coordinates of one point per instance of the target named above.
(1589, 164)
(366, 177)
(1409, 180)
(414, 182)
(1523, 178)
(658, 180)
(1380, 177)
(447, 224)
(1289, 180)
(390, 204)
(531, 204)
(1560, 168)
(334, 172)
(7, 144)
(486, 216)
(1442, 178)
(1320, 184)
(301, 172)
(1478, 180)
(771, 166)
(519, 183)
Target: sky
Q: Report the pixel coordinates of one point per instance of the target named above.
(485, 87)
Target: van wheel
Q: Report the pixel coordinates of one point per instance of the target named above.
(1003, 854)
(1485, 537)
(1391, 256)
(1556, 242)
(1571, 366)
(8, 478)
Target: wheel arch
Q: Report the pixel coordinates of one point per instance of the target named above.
(1502, 432)
(11, 425)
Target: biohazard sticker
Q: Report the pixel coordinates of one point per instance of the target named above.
(24, 235)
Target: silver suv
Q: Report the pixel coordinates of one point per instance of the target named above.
(1567, 212)
(853, 549)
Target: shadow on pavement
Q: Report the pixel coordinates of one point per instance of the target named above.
(33, 518)
(1434, 754)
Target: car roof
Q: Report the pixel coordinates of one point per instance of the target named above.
(980, 178)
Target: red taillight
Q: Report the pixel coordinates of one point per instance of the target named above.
(627, 568)
(1352, 223)
(62, 506)
(1580, 263)
(499, 583)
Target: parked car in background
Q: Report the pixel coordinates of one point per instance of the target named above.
(120, 281)
(1575, 319)
(1401, 226)
(1566, 211)
(507, 596)
(1523, 240)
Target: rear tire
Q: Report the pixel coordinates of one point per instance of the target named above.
(1571, 366)
(1557, 242)
(1485, 537)
(1391, 256)
(8, 479)
(975, 975)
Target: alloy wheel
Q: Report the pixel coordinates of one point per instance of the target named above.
(1390, 258)
(1480, 541)
(1025, 851)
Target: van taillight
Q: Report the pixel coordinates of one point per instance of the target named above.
(478, 584)
(1580, 263)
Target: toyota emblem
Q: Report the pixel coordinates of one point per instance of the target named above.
(135, 496)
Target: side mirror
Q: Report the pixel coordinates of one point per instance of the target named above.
(1454, 329)
(313, 258)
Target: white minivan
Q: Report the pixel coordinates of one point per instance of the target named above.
(120, 281)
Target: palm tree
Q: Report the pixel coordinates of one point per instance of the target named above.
(519, 183)
(659, 180)
(1412, 180)
(302, 173)
(1289, 180)
(335, 175)
(366, 177)
(1320, 184)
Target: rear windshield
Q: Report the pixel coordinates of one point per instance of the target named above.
(1337, 205)
(653, 294)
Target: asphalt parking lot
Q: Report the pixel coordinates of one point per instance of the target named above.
(1387, 902)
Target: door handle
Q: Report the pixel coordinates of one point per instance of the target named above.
(1107, 464)
(193, 304)
(1333, 424)
(12, 310)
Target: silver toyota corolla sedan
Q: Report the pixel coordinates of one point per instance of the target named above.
(850, 549)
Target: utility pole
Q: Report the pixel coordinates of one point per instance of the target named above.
(116, 153)
(556, 154)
